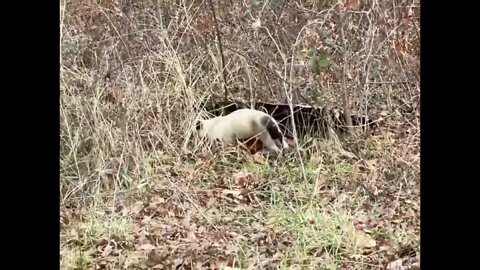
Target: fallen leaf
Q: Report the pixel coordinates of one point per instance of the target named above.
(347, 154)
(396, 265)
(241, 179)
(371, 164)
(351, 5)
(134, 209)
(224, 264)
(235, 193)
(154, 258)
(147, 247)
(384, 248)
(177, 263)
(201, 229)
(271, 235)
(146, 220)
(191, 236)
(342, 198)
(101, 242)
(238, 208)
(277, 256)
(156, 201)
(259, 158)
(232, 193)
(344, 266)
(256, 24)
(360, 239)
(133, 259)
(107, 250)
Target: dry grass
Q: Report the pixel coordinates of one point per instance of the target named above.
(138, 190)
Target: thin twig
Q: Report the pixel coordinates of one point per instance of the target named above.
(219, 37)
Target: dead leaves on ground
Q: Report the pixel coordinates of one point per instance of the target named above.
(170, 231)
(165, 235)
(405, 263)
(359, 239)
(242, 189)
(168, 234)
(243, 179)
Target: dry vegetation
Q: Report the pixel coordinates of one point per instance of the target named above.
(137, 189)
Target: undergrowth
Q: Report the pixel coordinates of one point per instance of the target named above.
(139, 190)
